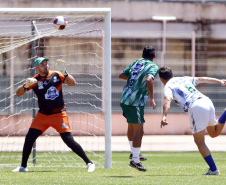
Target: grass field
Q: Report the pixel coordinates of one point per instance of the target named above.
(162, 168)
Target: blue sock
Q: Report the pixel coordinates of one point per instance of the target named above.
(209, 160)
(222, 118)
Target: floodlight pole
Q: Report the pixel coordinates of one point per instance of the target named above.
(12, 76)
(164, 20)
(163, 43)
(193, 55)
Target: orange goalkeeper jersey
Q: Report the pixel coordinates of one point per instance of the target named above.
(48, 90)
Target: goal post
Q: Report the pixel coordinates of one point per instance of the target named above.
(86, 45)
(107, 73)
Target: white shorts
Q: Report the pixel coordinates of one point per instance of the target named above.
(201, 115)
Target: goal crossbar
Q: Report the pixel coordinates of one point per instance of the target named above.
(43, 11)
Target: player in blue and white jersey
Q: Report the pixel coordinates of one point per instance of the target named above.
(201, 109)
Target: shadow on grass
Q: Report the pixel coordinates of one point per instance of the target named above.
(170, 175)
(151, 176)
(120, 176)
(32, 172)
(40, 171)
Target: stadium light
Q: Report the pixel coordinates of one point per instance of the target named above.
(164, 20)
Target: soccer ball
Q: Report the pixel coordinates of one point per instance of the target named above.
(60, 23)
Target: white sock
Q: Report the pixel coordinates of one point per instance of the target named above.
(131, 145)
(136, 154)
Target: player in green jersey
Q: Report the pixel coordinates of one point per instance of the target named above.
(140, 78)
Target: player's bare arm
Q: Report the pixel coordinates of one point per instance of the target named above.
(150, 84)
(20, 90)
(121, 76)
(69, 80)
(209, 80)
(166, 107)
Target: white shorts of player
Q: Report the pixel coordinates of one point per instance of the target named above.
(201, 115)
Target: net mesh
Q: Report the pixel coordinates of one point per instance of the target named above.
(81, 46)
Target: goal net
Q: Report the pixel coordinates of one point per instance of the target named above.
(85, 45)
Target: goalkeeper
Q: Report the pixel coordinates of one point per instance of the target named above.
(47, 85)
(201, 109)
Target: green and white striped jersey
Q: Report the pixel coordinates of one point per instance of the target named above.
(135, 92)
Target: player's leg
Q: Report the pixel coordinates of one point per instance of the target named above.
(61, 124)
(130, 135)
(199, 115)
(137, 140)
(222, 118)
(215, 130)
(130, 113)
(76, 147)
(37, 127)
(130, 130)
(30, 138)
(199, 139)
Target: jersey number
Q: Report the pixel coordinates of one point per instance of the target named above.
(133, 78)
(189, 88)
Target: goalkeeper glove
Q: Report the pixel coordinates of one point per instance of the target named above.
(29, 82)
(61, 67)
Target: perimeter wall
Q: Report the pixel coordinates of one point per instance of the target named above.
(179, 125)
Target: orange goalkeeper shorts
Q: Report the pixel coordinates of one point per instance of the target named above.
(58, 121)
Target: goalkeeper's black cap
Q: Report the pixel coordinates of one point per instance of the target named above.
(149, 52)
(40, 60)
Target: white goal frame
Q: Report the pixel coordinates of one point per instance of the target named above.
(107, 57)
